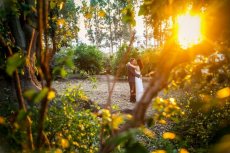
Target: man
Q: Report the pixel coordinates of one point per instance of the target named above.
(131, 78)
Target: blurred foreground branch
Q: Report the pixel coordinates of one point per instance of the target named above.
(171, 56)
(20, 98)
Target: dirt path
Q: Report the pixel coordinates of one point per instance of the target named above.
(99, 94)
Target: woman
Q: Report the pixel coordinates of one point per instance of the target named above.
(138, 81)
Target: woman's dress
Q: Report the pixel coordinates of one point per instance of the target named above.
(139, 87)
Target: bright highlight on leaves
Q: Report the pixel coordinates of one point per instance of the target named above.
(189, 30)
(223, 93)
(169, 135)
(61, 5)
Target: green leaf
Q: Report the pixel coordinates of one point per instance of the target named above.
(123, 137)
(69, 63)
(142, 10)
(13, 63)
(63, 72)
(30, 94)
(41, 95)
(52, 4)
(136, 148)
(21, 115)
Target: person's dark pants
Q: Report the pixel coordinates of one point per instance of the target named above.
(132, 92)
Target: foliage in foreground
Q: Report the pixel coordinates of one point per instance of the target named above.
(70, 124)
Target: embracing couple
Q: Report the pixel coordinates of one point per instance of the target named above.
(135, 79)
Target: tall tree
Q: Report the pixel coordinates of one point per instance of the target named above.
(105, 22)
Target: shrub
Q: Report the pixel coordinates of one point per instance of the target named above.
(71, 126)
(149, 59)
(203, 125)
(204, 97)
(88, 58)
(62, 63)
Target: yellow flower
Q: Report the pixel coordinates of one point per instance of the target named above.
(169, 135)
(106, 113)
(16, 126)
(106, 116)
(76, 144)
(60, 22)
(101, 13)
(223, 93)
(69, 137)
(124, 11)
(51, 95)
(172, 100)
(182, 150)
(58, 151)
(81, 127)
(162, 121)
(91, 151)
(88, 15)
(64, 143)
(129, 117)
(116, 121)
(148, 132)
(159, 151)
(2, 120)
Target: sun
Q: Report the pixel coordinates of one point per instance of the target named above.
(189, 30)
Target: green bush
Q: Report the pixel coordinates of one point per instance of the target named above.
(80, 59)
(62, 63)
(88, 58)
(206, 119)
(149, 58)
(71, 125)
(203, 125)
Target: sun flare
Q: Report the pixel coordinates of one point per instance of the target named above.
(189, 30)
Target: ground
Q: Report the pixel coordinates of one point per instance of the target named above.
(98, 91)
(99, 94)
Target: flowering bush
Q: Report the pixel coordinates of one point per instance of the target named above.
(70, 125)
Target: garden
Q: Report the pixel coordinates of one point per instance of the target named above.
(64, 76)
